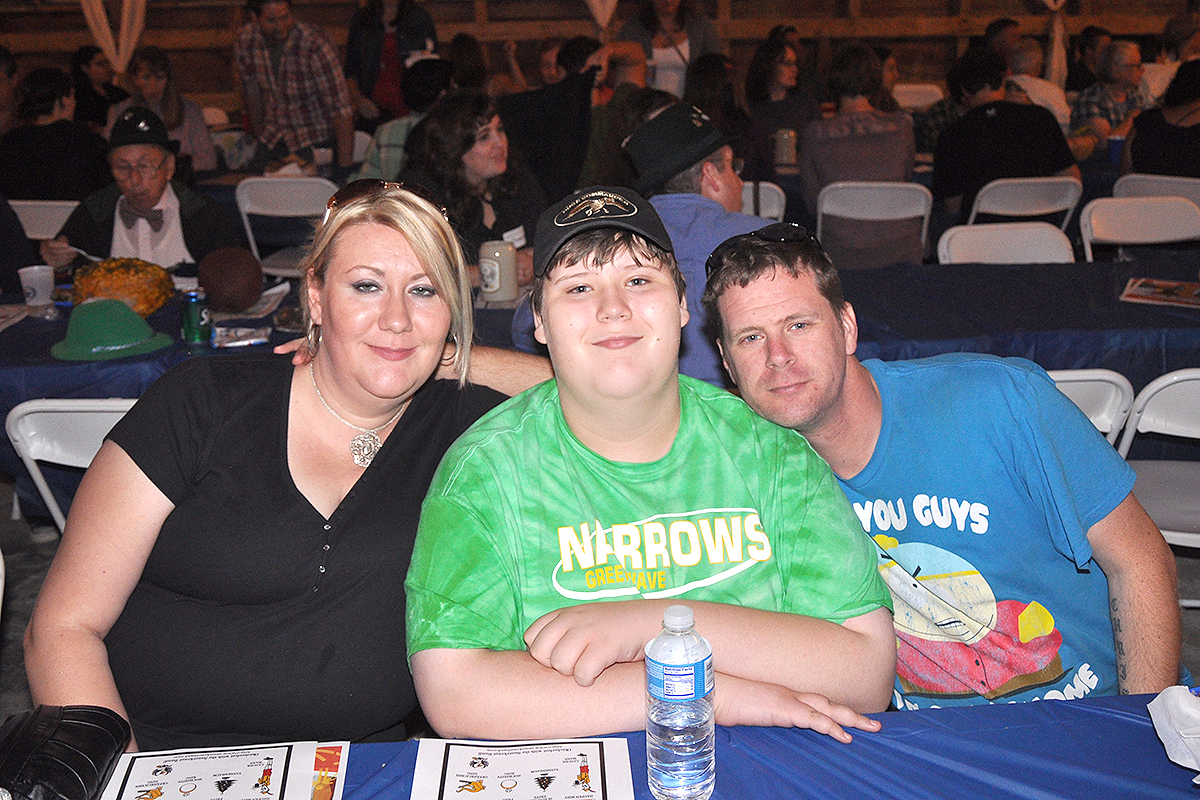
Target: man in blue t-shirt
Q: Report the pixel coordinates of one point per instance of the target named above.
(1021, 566)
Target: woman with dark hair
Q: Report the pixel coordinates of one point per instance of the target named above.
(94, 89)
(1166, 140)
(777, 100)
(464, 162)
(672, 36)
(50, 156)
(154, 88)
(710, 89)
(890, 76)
(860, 143)
(382, 35)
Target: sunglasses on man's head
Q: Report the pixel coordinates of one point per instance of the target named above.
(372, 187)
(778, 232)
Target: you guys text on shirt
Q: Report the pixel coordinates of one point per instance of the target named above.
(925, 510)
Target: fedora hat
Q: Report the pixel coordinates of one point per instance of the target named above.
(103, 328)
(669, 143)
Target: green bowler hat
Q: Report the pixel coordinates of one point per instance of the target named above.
(102, 328)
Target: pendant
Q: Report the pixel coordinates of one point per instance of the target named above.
(364, 447)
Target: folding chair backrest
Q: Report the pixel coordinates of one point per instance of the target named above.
(1138, 220)
(874, 201)
(1005, 243)
(42, 219)
(1103, 395)
(302, 197)
(1169, 404)
(1137, 184)
(1028, 197)
(362, 140)
(61, 431)
(916, 96)
(763, 199)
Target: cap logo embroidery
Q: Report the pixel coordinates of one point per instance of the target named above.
(595, 205)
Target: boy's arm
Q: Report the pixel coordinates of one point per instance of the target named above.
(853, 663)
(507, 695)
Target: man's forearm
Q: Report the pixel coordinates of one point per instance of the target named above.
(1143, 600)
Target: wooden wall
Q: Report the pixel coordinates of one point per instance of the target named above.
(926, 35)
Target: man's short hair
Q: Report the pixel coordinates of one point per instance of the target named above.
(747, 257)
(575, 52)
(855, 72)
(996, 28)
(688, 181)
(1091, 36)
(978, 68)
(599, 246)
(1026, 57)
(1113, 57)
(1178, 31)
(255, 7)
(40, 90)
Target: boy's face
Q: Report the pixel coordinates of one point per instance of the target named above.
(612, 329)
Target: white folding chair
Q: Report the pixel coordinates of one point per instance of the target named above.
(61, 431)
(1005, 243)
(1137, 184)
(43, 219)
(362, 140)
(1103, 395)
(1028, 197)
(763, 199)
(299, 197)
(1138, 220)
(916, 96)
(875, 201)
(1169, 490)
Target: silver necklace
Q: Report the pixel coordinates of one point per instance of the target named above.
(364, 446)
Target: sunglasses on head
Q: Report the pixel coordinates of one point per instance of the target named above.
(778, 232)
(372, 187)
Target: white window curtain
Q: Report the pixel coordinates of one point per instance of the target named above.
(133, 21)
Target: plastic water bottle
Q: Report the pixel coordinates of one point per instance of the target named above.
(680, 743)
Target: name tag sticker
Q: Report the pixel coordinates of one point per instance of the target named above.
(516, 236)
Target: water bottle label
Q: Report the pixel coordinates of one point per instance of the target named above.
(679, 682)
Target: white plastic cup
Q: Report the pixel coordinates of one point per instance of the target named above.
(38, 284)
(498, 271)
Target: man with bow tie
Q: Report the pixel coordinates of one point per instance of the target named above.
(144, 214)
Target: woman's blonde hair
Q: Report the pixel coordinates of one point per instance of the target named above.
(431, 238)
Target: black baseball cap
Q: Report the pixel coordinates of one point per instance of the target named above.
(138, 125)
(597, 207)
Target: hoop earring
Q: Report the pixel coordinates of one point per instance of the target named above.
(448, 360)
(313, 337)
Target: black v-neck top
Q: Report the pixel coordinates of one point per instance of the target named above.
(256, 619)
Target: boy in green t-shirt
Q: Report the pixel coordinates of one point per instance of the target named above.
(621, 482)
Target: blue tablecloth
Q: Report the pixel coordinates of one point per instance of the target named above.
(1061, 316)
(1082, 750)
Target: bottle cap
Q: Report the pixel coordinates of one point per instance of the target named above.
(678, 618)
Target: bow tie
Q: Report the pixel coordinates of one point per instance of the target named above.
(130, 215)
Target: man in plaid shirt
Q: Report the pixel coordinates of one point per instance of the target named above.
(295, 91)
